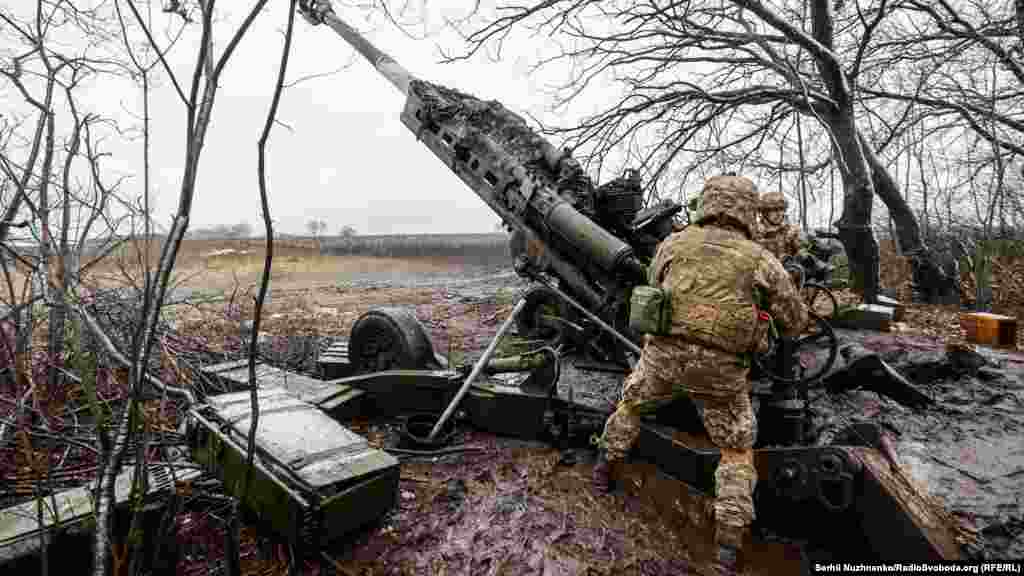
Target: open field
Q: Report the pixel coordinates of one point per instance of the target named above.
(227, 264)
(232, 269)
(222, 268)
(471, 246)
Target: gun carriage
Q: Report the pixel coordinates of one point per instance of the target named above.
(587, 247)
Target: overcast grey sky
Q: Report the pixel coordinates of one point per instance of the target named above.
(347, 158)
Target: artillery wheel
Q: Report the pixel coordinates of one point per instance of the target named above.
(389, 339)
(538, 318)
(820, 335)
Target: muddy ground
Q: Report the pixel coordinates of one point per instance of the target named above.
(966, 448)
(505, 506)
(509, 507)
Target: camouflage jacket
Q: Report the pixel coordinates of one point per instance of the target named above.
(782, 240)
(716, 278)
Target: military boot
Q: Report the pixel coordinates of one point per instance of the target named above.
(730, 543)
(605, 470)
(728, 560)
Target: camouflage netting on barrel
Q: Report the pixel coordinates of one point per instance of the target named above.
(511, 132)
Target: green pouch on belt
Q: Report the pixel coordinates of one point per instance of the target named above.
(650, 310)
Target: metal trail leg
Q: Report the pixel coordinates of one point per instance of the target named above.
(477, 369)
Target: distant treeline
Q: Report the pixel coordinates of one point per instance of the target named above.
(471, 246)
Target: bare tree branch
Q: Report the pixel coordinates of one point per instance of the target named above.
(269, 243)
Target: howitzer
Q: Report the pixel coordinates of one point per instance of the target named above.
(594, 241)
(587, 247)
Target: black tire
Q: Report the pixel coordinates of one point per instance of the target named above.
(541, 301)
(389, 339)
(821, 300)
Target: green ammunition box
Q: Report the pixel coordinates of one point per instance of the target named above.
(507, 410)
(339, 401)
(69, 518)
(313, 480)
(334, 362)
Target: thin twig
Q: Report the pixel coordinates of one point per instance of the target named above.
(269, 255)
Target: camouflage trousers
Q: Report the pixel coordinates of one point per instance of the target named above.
(717, 383)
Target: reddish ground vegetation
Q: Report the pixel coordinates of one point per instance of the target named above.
(506, 509)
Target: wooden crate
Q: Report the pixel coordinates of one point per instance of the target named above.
(990, 329)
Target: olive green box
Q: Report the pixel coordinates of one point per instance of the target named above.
(314, 480)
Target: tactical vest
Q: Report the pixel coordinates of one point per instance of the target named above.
(708, 273)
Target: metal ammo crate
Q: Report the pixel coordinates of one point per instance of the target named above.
(313, 479)
(69, 518)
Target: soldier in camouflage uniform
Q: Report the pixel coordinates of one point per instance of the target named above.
(780, 237)
(717, 278)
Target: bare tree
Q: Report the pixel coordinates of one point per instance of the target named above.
(269, 257)
(241, 230)
(198, 102)
(316, 227)
(960, 58)
(59, 192)
(704, 87)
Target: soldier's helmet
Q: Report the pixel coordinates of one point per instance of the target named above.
(730, 197)
(772, 201)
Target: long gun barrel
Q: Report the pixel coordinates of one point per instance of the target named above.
(320, 12)
(530, 184)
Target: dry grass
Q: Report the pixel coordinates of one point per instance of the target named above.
(494, 245)
(224, 266)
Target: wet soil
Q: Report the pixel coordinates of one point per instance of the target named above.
(967, 448)
(511, 507)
